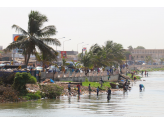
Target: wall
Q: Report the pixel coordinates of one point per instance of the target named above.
(112, 78)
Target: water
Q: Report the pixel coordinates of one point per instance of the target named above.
(132, 103)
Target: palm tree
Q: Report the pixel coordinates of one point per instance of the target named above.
(149, 59)
(86, 60)
(45, 59)
(36, 38)
(114, 52)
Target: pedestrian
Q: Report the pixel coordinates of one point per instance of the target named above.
(142, 73)
(109, 93)
(39, 76)
(101, 80)
(69, 88)
(78, 86)
(87, 72)
(108, 72)
(134, 78)
(89, 87)
(97, 90)
(132, 75)
(147, 74)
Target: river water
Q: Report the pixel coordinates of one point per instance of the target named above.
(129, 104)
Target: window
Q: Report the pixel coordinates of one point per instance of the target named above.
(142, 57)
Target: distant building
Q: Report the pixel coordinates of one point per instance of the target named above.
(141, 54)
(1, 47)
(71, 55)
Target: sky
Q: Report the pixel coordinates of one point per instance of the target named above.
(135, 26)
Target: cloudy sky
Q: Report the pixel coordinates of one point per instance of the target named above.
(136, 26)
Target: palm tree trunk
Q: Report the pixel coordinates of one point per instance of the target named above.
(27, 59)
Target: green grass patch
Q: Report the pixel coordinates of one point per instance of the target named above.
(137, 77)
(96, 84)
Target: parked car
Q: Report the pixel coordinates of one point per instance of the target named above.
(39, 68)
(53, 68)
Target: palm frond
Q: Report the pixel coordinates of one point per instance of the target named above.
(50, 41)
(19, 29)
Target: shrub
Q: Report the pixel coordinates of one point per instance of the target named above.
(10, 94)
(33, 96)
(52, 91)
(86, 80)
(20, 80)
(2, 89)
(7, 78)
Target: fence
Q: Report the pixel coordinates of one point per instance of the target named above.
(80, 77)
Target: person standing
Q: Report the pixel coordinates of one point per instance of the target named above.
(89, 87)
(142, 73)
(69, 88)
(39, 76)
(147, 73)
(109, 94)
(132, 75)
(97, 90)
(78, 86)
(134, 78)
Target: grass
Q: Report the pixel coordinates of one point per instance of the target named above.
(96, 84)
(129, 75)
(153, 69)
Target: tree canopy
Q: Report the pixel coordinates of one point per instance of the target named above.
(102, 56)
(36, 38)
(139, 47)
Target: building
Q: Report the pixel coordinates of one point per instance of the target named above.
(1, 47)
(141, 54)
(70, 55)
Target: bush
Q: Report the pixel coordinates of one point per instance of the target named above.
(52, 91)
(2, 89)
(10, 94)
(86, 80)
(33, 96)
(7, 78)
(20, 81)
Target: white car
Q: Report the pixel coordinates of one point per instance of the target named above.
(39, 68)
(1, 65)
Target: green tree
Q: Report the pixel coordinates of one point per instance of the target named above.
(20, 81)
(140, 47)
(86, 60)
(46, 59)
(127, 53)
(162, 59)
(130, 48)
(36, 37)
(148, 59)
